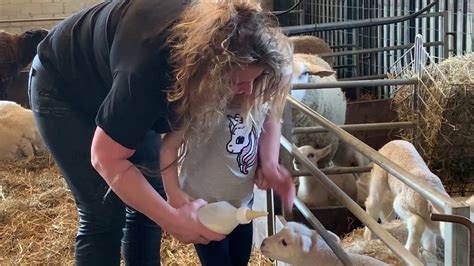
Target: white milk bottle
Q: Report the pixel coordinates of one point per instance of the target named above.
(221, 217)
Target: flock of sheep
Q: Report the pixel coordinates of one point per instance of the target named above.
(383, 195)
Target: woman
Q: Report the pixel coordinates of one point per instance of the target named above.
(106, 83)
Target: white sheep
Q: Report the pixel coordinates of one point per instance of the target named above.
(298, 245)
(307, 44)
(410, 206)
(18, 134)
(311, 191)
(330, 103)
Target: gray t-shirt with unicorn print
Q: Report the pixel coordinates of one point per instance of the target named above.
(222, 167)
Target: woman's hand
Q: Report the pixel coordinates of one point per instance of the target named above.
(177, 198)
(276, 177)
(185, 225)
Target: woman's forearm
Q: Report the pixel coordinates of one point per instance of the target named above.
(269, 143)
(132, 187)
(110, 159)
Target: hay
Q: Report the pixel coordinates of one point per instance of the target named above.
(37, 216)
(38, 219)
(445, 121)
(354, 243)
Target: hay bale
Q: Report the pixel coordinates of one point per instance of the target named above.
(445, 120)
(38, 219)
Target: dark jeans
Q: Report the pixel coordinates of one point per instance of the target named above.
(234, 250)
(106, 225)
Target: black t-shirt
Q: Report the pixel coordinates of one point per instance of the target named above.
(112, 62)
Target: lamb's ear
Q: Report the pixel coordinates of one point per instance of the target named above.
(299, 228)
(317, 70)
(305, 243)
(335, 237)
(324, 152)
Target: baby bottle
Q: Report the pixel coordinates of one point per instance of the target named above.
(221, 217)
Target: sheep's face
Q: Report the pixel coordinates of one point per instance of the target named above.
(286, 246)
(313, 155)
(305, 66)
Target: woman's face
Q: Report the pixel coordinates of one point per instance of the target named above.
(244, 79)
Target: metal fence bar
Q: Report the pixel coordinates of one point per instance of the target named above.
(370, 77)
(381, 49)
(354, 83)
(318, 226)
(388, 239)
(336, 171)
(456, 240)
(359, 23)
(403, 175)
(356, 127)
(271, 212)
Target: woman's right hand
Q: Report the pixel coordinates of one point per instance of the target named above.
(186, 227)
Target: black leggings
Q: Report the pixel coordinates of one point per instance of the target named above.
(105, 225)
(234, 250)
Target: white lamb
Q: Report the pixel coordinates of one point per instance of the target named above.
(18, 134)
(298, 245)
(412, 208)
(330, 103)
(311, 191)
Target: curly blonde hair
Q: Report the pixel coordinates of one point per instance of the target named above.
(209, 43)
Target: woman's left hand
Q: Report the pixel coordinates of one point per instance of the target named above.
(276, 177)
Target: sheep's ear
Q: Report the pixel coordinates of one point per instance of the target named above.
(299, 228)
(324, 152)
(335, 237)
(305, 243)
(317, 70)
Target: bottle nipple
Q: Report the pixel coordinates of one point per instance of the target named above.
(250, 215)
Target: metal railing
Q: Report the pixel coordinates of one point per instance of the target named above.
(352, 206)
(456, 247)
(318, 226)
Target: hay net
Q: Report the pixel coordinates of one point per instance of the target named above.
(442, 105)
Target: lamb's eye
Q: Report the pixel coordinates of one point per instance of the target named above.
(311, 155)
(283, 242)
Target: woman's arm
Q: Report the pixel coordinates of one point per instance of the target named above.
(270, 174)
(110, 159)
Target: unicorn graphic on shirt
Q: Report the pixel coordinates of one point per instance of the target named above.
(243, 142)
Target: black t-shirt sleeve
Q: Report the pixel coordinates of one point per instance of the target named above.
(141, 73)
(133, 106)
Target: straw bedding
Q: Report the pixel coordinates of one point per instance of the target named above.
(38, 219)
(445, 132)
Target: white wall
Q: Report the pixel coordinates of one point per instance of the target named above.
(30, 9)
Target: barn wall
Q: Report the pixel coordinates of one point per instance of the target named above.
(29, 9)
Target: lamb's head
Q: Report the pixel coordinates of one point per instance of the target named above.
(306, 65)
(287, 245)
(314, 155)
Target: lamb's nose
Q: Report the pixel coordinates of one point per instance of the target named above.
(263, 243)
